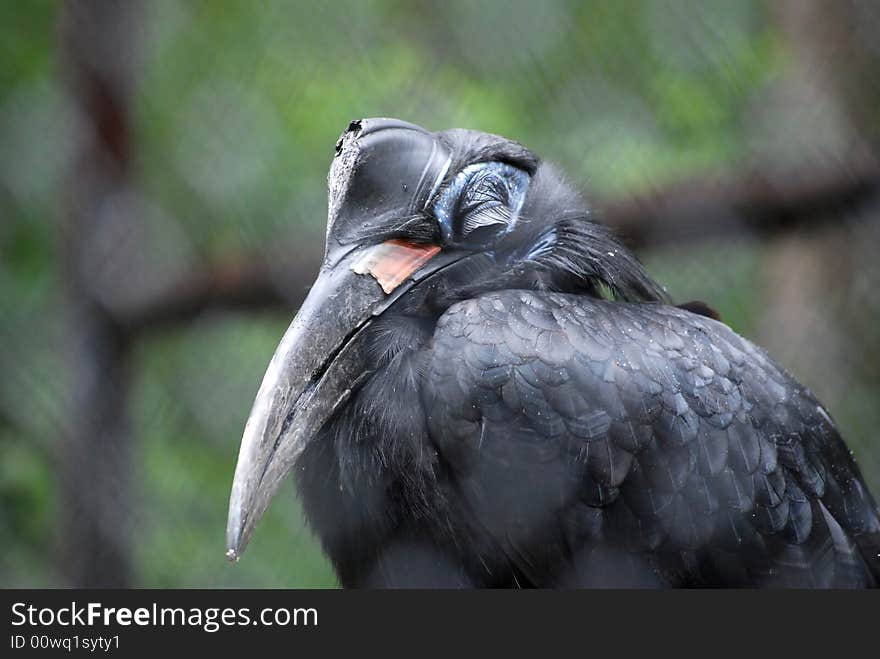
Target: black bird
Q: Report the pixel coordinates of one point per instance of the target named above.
(484, 388)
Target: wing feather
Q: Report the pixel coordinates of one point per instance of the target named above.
(658, 429)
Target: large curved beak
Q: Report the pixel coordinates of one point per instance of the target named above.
(315, 368)
(306, 379)
(318, 362)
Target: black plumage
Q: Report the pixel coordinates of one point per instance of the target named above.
(536, 413)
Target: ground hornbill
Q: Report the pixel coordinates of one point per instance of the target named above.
(485, 388)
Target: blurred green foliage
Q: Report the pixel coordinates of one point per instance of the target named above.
(237, 107)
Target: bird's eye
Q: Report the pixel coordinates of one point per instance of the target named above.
(481, 204)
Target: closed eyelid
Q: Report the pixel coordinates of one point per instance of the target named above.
(480, 195)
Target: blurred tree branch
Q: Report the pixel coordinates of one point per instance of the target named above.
(240, 283)
(828, 96)
(760, 205)
(96, 52)
(756, 204)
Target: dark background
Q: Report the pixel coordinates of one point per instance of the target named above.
(162, 204)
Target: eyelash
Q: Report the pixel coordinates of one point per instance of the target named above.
(479, 197)
(491, 189)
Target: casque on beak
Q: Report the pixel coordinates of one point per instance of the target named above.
(384, 170)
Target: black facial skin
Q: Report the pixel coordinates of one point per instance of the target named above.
(527, 409)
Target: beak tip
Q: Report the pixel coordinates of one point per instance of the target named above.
(236, 541)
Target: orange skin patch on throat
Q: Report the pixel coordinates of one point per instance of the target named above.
(392, 262)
